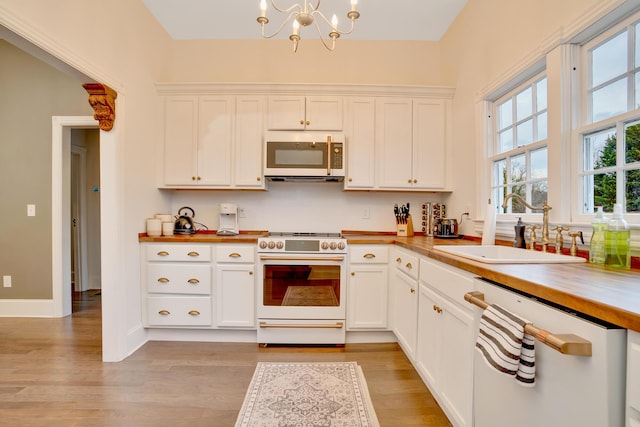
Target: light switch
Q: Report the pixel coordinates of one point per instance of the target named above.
(6, 281)
(31, 210)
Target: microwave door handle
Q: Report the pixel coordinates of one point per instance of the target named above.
(328, 155)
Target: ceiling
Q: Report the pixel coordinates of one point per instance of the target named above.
(424, 20)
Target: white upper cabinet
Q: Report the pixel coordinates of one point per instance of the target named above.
(305, 113)
(413, 143)
(213, 141)
(360, 126)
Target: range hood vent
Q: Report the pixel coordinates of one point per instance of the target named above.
(305, 178)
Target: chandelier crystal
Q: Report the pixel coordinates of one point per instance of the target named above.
(304, 15)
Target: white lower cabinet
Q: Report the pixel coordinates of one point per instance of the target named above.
(446, 339)
(404, 299)
(176, 285)
(367, 287)
(235, 286)
(633, 379)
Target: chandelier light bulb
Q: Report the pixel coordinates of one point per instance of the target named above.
(296, 27)
(334, 22)
(263, 8)
(353, 4)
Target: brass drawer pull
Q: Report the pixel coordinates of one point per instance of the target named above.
(368, 256)
(163, 280)
(164, 312)
(193, 281)
(163, 253)
(194, 313)
(193, 253)
(235, 255)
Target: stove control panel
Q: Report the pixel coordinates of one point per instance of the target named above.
(302, 245)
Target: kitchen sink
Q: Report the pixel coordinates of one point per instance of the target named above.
(495, 254)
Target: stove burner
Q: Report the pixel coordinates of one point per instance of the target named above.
(303, 234)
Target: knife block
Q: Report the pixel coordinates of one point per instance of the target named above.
(405, 230)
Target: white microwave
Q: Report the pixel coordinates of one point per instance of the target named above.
(305, 155)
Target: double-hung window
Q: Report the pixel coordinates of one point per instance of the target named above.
(519, 145)
(609, 138)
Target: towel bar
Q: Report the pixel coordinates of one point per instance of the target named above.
(564, 343)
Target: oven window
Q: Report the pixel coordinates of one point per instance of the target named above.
(302, 285)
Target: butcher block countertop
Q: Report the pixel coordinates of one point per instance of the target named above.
(608, 294)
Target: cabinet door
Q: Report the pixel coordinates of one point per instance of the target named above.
(235, 293)
(633, 373)
(360, 143)
(180, 140)
(405, 311)
(249, 142)
(429, 157)
(286, 113)
(429, 337)
(367, 297)
(215, 135)
(323, 113)
(394, 140)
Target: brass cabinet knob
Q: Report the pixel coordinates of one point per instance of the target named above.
(350, 179)
(415, 181)
(193, 178)
(409, 180)
(259, 179)
(413, 291)
(409, 265)
(308, 122)
(398, 260)
(301, 122)
(251, 273)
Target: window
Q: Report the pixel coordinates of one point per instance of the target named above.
(610, 136)
(519, 160)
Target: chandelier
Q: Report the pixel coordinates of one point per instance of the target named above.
(305, 15)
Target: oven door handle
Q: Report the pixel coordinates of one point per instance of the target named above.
(294, 258)
(337, 325)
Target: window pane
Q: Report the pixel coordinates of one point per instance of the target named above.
(636, 100)
(500, 173)
(539, 163)
(539, 193)
(637, 56)
(505, 114)
(632, 190)
(542, 126)
(609, 100)
(524, 104)
(604, 190)
(516, 205)
(525, 133)
(541, 95)
(609, 59)
(506, 141)
(518, 168)
(600, 150)
(632, 143)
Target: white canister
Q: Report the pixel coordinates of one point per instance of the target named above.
(167, 228)
(154, 227)
(164, 217)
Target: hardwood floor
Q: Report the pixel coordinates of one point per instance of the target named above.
(51, 374)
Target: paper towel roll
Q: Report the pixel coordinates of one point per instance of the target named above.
(489, 230)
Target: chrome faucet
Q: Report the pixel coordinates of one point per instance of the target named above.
(545, 216)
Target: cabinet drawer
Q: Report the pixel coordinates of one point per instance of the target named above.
(179, 278)
(179, 252)
(235, 253)
(407, 263)
(179, 311)
(369, 254)
(449, 281)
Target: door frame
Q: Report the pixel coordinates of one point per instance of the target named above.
(79, 255)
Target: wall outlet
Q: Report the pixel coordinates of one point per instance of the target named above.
(31, 210)
(242, 213)
(6, 281)
(366, 213)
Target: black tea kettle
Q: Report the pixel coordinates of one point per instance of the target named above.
(184, 223)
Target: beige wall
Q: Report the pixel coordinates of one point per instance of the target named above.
(32, 92)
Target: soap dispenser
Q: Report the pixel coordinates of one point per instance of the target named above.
(596, 245)
(519, 241)
(617, 241)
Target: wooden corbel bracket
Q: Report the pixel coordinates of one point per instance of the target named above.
(103, 101)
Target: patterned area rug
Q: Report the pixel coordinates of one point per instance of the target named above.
(307, 395)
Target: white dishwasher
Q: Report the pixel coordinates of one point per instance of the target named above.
(569, 390)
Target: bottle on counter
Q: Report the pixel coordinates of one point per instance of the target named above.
(617, 240)
(596, 246)
(520, 241)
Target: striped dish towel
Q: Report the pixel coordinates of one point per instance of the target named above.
(505, 346)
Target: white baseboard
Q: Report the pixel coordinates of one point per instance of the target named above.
(26, 308)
